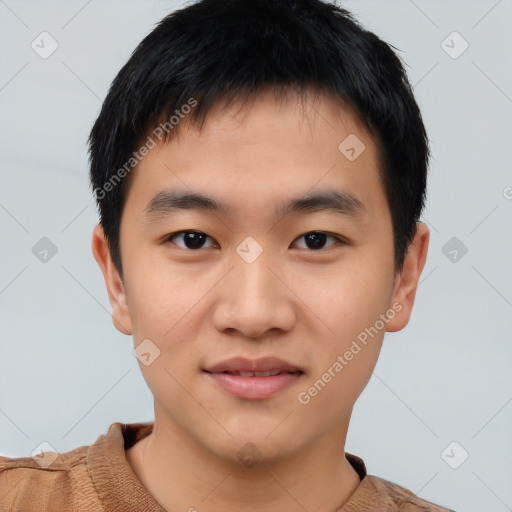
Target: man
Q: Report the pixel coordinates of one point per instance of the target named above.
(260, 170)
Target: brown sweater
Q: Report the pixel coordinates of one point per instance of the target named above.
(99, 478)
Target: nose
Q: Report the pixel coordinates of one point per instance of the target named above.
(255, 300)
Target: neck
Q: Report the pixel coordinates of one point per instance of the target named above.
(181, 474)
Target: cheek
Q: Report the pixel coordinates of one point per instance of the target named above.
(348, 298)
(157, 297)
(169, 306)
(348, 304)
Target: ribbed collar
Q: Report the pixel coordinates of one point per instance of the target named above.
(120, 489)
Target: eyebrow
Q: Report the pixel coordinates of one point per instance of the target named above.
(171, 201)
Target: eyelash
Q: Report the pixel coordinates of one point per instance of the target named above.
(340, 240)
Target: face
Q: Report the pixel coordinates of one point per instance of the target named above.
(291, 257)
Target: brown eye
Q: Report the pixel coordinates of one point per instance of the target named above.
(316, 240)
(192, 240)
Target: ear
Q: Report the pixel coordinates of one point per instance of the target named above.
(115, 287)
(407, 281)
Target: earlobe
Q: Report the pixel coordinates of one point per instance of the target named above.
(115, 287)
(407, 282)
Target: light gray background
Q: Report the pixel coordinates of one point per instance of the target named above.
(66, 373)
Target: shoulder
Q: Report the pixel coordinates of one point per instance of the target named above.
(47, 481)
(397, 498)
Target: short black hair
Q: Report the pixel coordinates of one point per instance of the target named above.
(231, 49)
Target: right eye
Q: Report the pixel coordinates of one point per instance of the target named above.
(192, 240)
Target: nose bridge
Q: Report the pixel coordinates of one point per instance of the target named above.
(256, 300)
(255, 285)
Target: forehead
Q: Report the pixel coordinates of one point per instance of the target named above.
(312, 119)
(264, 151)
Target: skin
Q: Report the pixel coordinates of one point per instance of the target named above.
(304, 305)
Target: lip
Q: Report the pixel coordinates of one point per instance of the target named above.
(254, 387)
(263, 364)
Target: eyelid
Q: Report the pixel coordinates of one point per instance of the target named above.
(167, 238)
(338, 239)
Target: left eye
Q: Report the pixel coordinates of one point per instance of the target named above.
(316, 239)
(194, 240)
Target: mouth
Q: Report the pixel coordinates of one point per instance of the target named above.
(262, 367)
(270, 373)
(254, 379)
